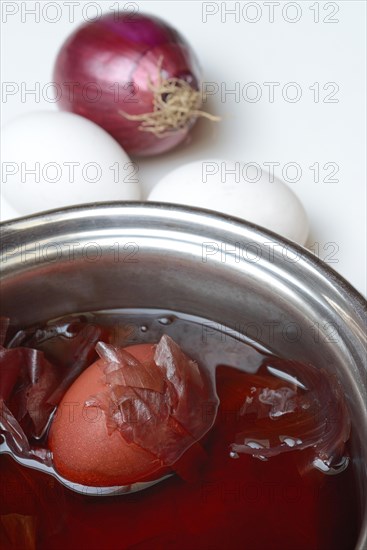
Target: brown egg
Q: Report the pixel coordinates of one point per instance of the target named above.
(83, 451)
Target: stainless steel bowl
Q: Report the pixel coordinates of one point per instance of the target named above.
(169, 257)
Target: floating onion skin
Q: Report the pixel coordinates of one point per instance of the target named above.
(292, 406)
(136, 77)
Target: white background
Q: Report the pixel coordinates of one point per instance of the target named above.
(271, 49)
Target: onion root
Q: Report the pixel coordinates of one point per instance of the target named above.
(175, 105)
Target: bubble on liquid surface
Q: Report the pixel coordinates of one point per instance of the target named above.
(290, 441)
(167, 320)
(258, 444)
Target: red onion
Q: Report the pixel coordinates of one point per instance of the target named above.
(136, 77)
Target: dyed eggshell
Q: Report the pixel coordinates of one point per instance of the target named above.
(83, 451)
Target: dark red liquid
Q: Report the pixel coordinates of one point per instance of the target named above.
(216, 503)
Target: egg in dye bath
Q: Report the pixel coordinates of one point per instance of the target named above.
(56, 159)
(129, 416)
(228, 187)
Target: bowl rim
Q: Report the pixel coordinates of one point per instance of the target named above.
(15, 224)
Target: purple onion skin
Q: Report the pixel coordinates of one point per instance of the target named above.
(105, 67)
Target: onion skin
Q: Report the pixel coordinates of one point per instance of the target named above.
(280, 416)
(105, 68)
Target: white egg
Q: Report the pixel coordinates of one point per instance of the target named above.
(7, 212)
(232, 188)
(56, 159)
